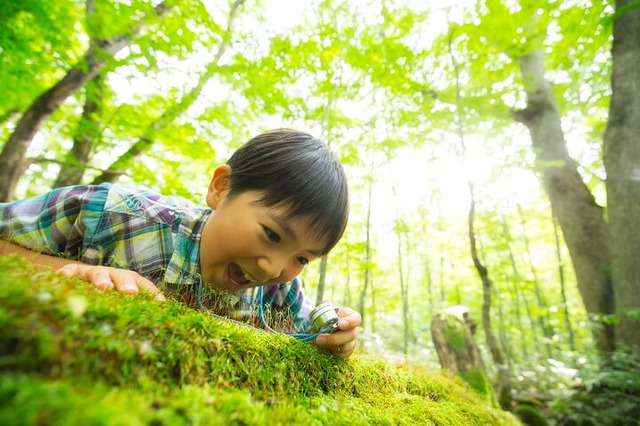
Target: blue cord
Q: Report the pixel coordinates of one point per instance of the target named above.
(298, 336)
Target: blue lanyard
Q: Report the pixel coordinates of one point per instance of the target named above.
(298, 336)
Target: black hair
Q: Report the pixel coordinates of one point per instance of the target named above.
(299, 172)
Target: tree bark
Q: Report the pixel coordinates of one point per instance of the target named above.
(544, 318)
(518, 291)
(504, 380)
(563, 293)
(579, 216)
(622, 163)
(322, 279)
(12, 158)
(453, 339)
(367, 246)
(86, 134)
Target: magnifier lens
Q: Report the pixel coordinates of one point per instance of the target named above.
(324, 316)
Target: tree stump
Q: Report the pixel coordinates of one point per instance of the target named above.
(452, 332)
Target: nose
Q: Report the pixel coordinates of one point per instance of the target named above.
(272, 267)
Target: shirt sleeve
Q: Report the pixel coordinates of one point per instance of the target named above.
(52, 223)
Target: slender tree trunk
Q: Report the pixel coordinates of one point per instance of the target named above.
(120, 165)
(322, 279)
(502, 333)
(579, 216)
(518, 292)
(544, 319)
(518, 312)
(347, 286)
(427, 265)
(367, 247)
(441, 279)
(504, 381)
(404, 291)
(12, 158)
(622, 163)
(427, 272)
(86, 135)
(519, 279)
(565, 304)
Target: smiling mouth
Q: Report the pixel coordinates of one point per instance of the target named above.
(240, 276)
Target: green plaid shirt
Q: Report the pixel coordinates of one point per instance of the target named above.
(135, 229)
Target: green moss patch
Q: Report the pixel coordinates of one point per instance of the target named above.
(70, 354)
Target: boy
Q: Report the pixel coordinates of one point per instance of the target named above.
(279, 202)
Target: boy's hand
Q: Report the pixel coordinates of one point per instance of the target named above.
(342, 342)
(106, 278)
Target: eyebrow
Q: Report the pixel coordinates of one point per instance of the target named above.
(283, 223)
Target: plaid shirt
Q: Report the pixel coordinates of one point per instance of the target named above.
(136, 229)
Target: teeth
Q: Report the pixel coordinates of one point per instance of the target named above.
(247, 276)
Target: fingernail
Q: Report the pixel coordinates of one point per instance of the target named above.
(321, 340)
(343, 323)
(160, 297)
(129, 287)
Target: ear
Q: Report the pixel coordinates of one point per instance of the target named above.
(219, 186)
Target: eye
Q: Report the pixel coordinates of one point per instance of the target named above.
(303, 261)
(272, 236)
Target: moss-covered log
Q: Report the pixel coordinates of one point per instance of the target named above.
(70, 354)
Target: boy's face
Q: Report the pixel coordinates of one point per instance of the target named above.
(245, 244)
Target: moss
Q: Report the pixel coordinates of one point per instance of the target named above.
(530, 416)
(478, 380)
(455, 332)
(70, 354)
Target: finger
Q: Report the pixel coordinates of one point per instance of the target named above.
(348, 319)
(70, 270)
(124, 281)
(97, 276)
(337, 338)
(344, 351)
(148, 286)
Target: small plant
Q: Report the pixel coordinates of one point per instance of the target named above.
(608, 396)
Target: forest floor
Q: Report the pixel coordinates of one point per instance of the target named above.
(70, 354)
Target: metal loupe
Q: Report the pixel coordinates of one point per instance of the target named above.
(324, 316)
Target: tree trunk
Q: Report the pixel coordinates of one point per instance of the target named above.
(367, 246)
(453, 339)
(504, 381)
(622, 163)
(404, 291)
(322, 279)
(502, 332)
(120, 165)
(565, 304)
(86, 134)
(347, 285)
(457, 350)
(12, 158)
(579, 216)
(543, 318)
(517, 289)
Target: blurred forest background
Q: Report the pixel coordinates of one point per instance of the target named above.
(473, 133)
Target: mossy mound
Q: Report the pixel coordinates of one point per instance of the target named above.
(70, 354)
